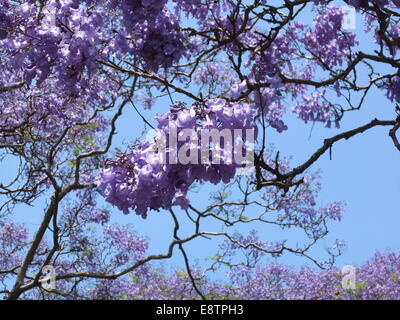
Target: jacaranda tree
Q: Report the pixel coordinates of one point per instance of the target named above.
(69, 70)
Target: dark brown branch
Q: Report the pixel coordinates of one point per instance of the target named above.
(12, 87)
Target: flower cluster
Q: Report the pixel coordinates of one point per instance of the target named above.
(66, 39)
(313, 108)
(394, 90)
(13, 237)
(145, 178)
(327, 40)
(6, 21)
(151, 32)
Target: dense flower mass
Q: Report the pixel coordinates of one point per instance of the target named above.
(327, 40)
(377, 279)
(151, 32)
(163, 44)
(145, 178)
(6, 22)
(67, 38)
